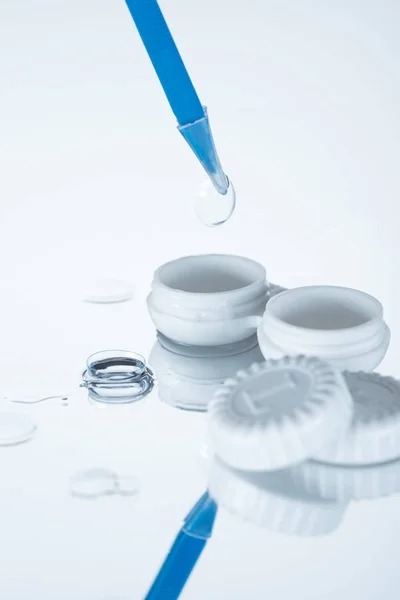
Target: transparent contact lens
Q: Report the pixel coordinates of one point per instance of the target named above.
(117, 376)
(213, 208)
(116, 365)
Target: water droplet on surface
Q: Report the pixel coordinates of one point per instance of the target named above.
(107, 291)
(128, 485)
(94, 483)
(15, 429)
(213, 208)
(34, 399)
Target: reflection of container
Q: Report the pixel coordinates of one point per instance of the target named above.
(340, 325)
(208, 300)
(190, 381)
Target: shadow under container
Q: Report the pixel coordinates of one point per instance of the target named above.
(208, 300)
(341, 325)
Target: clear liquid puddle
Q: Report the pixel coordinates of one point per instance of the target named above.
(15, 429)
(107, 291)
(213, 208)
(35, 399)
(97, 482)
(127, 485)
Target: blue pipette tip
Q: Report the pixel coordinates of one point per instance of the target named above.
(199, 137)
(185, 551)
(200, 520)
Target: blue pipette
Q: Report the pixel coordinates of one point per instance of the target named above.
(185, 551)
(192, 117)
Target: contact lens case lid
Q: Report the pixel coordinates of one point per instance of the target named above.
(374, 434)
(278, 413)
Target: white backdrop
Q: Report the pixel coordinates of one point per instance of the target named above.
(94, 179)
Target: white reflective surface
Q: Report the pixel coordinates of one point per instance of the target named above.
(88, 183)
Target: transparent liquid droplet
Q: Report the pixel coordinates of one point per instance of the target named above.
(107, 291)
(128, 485)
(93, 483)
(15, 429)
(34, 399)
(213, 208)
(98, 482)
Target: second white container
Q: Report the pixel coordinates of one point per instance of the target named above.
(340, 325)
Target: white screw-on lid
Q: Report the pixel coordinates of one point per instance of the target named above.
(278, 413)
(374, 433)
(273, 500)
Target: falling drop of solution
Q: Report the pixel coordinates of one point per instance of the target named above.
(213, 208)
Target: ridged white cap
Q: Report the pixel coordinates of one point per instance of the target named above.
(278, 413)
(374, 434)
(273, 500)
(348, 483)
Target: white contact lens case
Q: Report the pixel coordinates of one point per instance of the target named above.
(215, 299)
(340, 325)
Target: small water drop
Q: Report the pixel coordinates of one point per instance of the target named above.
(213, 208)
(15, 429)
(94, 483)
(33, 399)
(107, 291)
(128, 485)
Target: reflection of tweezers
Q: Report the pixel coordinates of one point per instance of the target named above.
(39, 400)
(185, 551)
